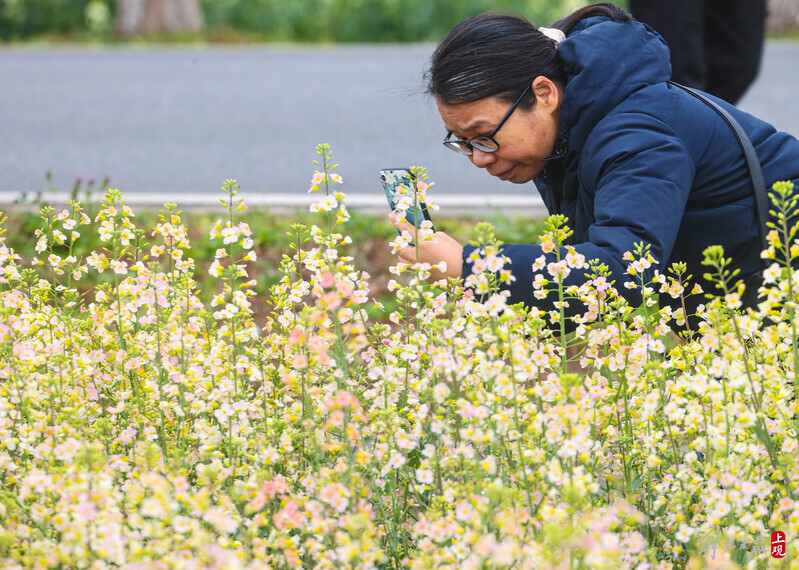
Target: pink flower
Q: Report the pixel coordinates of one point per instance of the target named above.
(300, 361)
(326, 279)
(289, 517)
(85, 511)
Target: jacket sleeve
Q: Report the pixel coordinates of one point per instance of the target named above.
(637, 173)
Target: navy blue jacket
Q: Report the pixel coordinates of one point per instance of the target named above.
(647, 162)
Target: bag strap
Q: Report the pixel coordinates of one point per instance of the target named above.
(752, 162)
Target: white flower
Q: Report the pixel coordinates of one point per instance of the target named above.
(215, 269)
(684, 533)
(441, 392)
(230, 235)
(424, 476)
(327, 204)
(220, 520)
(152, 507)
(396, 461)
(66, 451)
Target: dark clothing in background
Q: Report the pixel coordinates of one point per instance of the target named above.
(716, 45)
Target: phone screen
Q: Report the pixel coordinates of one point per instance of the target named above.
(398, 184)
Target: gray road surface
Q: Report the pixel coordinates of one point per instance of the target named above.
(180, 121)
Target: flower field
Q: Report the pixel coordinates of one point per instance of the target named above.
(141, 427)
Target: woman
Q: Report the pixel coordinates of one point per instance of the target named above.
(586, 111)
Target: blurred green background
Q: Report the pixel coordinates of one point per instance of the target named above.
(315, 21)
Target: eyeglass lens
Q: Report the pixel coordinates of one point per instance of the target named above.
(483, 143)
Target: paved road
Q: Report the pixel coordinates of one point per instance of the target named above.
(163, 121)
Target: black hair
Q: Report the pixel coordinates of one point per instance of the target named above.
(499, 54)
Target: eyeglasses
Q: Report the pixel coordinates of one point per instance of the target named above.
(484, 143)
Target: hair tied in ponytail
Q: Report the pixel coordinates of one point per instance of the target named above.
(553, 34)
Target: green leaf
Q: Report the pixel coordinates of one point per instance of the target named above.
(637, 482)
(763, 436)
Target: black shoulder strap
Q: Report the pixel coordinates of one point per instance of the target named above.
(752, 162)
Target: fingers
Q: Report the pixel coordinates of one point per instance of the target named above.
(442, 249)
(401, 226)
(407, 254)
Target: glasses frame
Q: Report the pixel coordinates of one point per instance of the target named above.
(466, 148)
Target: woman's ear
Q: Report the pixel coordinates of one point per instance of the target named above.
(547, 93)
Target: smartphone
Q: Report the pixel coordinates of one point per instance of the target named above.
(399, 182)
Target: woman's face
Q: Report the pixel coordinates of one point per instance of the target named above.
(526, 138)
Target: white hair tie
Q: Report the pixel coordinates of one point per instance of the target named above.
(553, 34)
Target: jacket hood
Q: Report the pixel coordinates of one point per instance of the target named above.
(605, 62)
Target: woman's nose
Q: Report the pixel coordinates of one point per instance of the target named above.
(482, 159)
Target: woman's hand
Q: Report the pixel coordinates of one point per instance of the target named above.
(444, 249)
